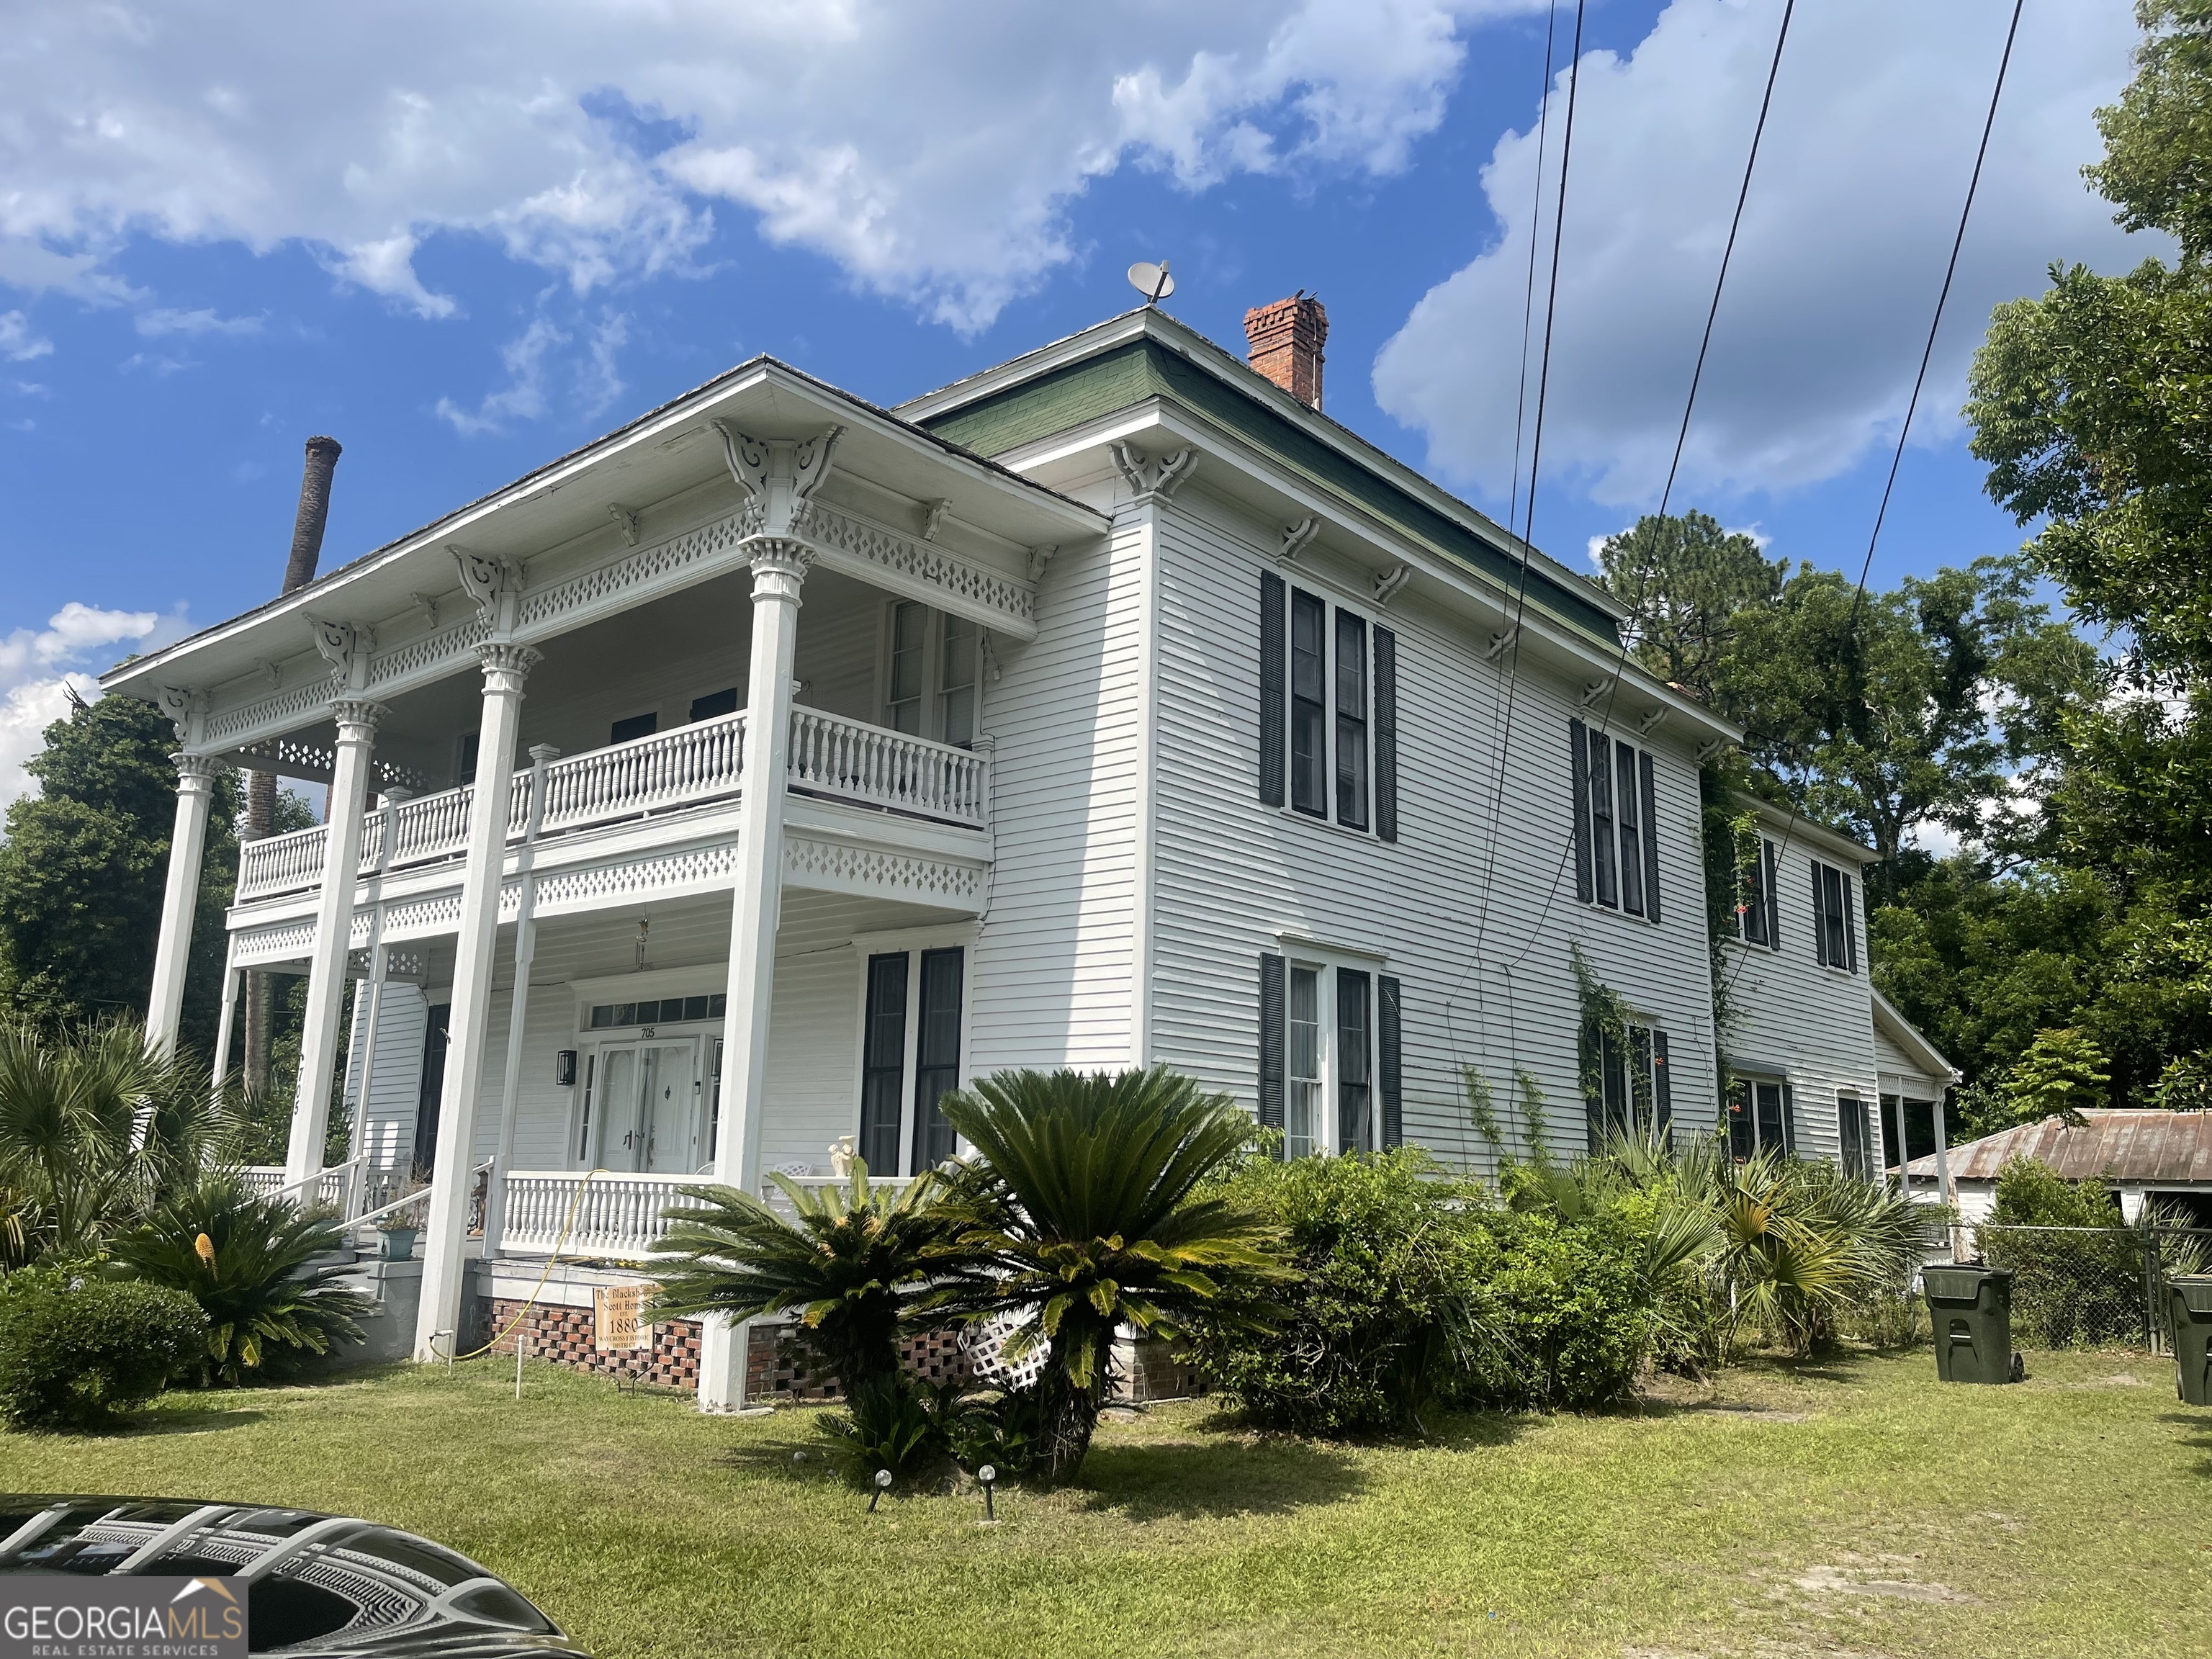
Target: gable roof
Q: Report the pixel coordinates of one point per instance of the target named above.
(2128, 1145)
(1927, 1060)
(1146, 353)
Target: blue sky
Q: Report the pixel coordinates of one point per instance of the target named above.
(462, 244)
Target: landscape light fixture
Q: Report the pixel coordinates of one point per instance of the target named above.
(883, 1486)
(989, 1477)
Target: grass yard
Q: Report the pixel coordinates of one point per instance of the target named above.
(1855, 1508)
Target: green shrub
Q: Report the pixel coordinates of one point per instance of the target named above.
(886, 1424)
(2078, 1285)
(1573, 1313)
(2031, 1194)
(1384, 1313)
(74, 1353)
(247, 1260)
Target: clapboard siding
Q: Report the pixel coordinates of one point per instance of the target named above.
(396, 1080)
(1050, 983)
(1790, 1018)
(1497, 992)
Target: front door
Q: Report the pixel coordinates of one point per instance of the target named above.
(648, 1107)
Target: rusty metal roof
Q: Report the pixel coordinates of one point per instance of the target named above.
(2157, 1148)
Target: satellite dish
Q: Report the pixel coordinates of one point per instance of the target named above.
(1151, 280)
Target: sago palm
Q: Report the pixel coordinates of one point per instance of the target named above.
(1079, 1217)
(850, 1263)
(249, 1262)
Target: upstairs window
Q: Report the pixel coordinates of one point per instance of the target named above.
(1328, 711)
(1758, 905)
(1835, 933)
(637, 725)
(932, 678)
(714, 704)
(1616, 822)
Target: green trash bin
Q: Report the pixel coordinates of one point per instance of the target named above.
(2189, 1299)
(1971, 1309)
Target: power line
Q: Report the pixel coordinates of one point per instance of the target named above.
(1681, 433)
(1912, 403)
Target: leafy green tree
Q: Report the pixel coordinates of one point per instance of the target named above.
(1686, 582)
(2062, 1071)
(1886, 712)
(82, 868)
(1083, 1214)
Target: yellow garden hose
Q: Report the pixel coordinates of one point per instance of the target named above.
(551, 1262)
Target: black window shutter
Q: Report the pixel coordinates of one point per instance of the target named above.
(1663, 1083)
(1650, 840)
(1274, 689)
(1820, 917)
(1271, 1040)
(1773, 897)
(1850, 931)
(1386, 734)
(1789, 1119)
(1593, 1058)
(1578, 769)
(1388, 1055)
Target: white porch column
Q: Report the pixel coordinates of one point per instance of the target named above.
(1944, 1194)
(505, 668)
(219, 1070)
(326, 971)
(542, 754)
(181, 898)
(779, 571)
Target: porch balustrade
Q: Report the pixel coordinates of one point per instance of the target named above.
(618, 1216)
(830, 756)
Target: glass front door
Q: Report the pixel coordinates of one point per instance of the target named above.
(646, 1109)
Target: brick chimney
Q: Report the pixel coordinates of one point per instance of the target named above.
(1285, 341)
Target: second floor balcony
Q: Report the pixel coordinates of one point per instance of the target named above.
(697, 766)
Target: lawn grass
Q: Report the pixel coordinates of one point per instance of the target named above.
(1855, 1507)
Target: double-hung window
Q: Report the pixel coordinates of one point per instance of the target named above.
(1626, 1087)
(1762, 1117)
(1329, 1066)
(932, 676)
(1835, 941)
(1616, 826)
(911, 1019)
(1328, 711)
(1758, 904)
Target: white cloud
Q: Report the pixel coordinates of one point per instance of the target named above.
(523, 398)
(38, 667)
(929, 147)
(1865, 161)
(160, 321)
(17, 343)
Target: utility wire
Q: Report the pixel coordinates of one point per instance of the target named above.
(1912, 403)
(1682, 440)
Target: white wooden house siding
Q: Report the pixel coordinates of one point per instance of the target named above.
(1234, 874)
(1792, 1018)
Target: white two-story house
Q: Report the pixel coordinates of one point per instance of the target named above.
(735, 786)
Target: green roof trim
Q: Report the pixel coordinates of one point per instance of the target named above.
(1127, 374)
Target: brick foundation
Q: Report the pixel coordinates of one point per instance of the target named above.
(775, 1366)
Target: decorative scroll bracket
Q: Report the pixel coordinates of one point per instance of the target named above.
(184, 706)
(1651, 721)
(1707, 750)
(1295, 535)
(778, 474)
(347, 647)
(493, 585)
(933, 517)
(1501, 643)
(627, 518)
(1154, 480)
(1039, 558)
(1593, 692)
(1390, 581)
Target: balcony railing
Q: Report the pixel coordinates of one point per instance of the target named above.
(830, 756)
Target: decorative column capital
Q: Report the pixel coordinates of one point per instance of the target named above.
(506, 666)
(357, 718)
(779, 565)
(196, 773)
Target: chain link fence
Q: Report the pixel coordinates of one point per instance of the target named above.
(2090, 1287)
